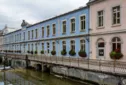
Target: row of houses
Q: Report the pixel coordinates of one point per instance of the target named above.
(97, 29)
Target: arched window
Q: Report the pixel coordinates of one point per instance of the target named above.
(72, 45)
(82, 44)
(101, 48)
(64, 45)
(116, 43)
(54, 46)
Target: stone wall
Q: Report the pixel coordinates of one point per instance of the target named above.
(100, 78)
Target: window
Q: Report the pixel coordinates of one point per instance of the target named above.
(54, 46)
(64, 45)
(36, 47)
(43, 46)
(48, 47)
(24, 35)
(54, 29)
(47, 31)
(72, 45)
(82, 45)
(64, 27)
(100, 18)
(32, 46)
(42, 31)
(116, 15)
(28, 47)
(100, 48)
(28, 35)
(36, 32)
(32, 34)
(83, 23)
(72, 25)
(116, 43)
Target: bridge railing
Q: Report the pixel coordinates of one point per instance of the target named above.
(92, 64)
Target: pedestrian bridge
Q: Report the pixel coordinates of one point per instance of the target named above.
(102, 66)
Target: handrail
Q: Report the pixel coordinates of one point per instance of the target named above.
(93, 64)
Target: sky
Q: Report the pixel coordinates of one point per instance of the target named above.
(12, 12)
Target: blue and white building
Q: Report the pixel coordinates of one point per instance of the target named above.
(66, 31)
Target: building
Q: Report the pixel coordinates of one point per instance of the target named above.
(67, 31)
(108, 28)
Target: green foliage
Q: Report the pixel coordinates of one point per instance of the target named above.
(63, 52)
(53, 52)
(36, 52)
(31, 52)
(82, 53)
(116, 55)
(42, 52)
(72, 53)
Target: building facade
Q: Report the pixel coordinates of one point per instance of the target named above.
(108, 28)
(67, 31)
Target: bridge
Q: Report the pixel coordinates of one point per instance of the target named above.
(101, 66)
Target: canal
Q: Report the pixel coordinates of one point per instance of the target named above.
(32, 77)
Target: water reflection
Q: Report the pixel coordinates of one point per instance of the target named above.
(30, 77)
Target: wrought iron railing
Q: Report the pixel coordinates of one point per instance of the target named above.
(111, 66)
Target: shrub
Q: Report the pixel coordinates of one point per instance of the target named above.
(42, 52)
(53, 52)
(116, 54)
(63, 52)
(82, 53)
(31, 52)
(72, 53)
(28, 51)
(36, 52)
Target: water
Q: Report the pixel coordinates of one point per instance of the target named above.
(31, 77)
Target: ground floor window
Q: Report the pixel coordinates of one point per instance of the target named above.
(82, 44)
(116, 44)
(48, 47)
(72, 45)
(101, 48)
(64, 45)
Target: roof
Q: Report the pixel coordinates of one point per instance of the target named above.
(80, 8)
(94, 1)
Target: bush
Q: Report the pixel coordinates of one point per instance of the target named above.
(53, 52)
(36, 52)
(82, 53)
(28, 51)
(116, 54)
(63, 52)
(31, 52)
(72, 53)
(42, 52)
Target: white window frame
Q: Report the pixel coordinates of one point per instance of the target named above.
(48, 47)
(43, 46)
(80, 22)
(116, 16)
(84, 44)
(73, 44)
(36, 33)
(63, 26)
(48, 30)
(103, 15)
(43, 31)
(53, 33)
(71, 24)
(54, 46)
(63, 45)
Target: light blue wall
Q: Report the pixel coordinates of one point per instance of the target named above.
(58, 22)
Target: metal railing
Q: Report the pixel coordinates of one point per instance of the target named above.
(110, 66)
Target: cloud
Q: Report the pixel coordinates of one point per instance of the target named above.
(12, 12)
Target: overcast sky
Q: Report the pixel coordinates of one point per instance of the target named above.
(12, 12)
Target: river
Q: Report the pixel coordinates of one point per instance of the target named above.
(31, 77)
